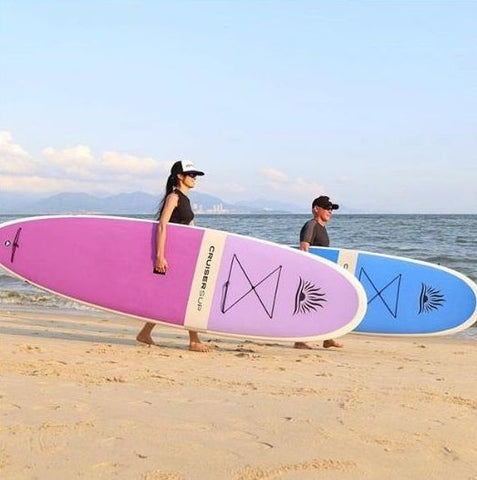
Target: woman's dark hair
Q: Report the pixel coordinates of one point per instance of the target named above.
(170, 185)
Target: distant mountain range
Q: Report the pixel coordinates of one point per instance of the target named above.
(133, 203)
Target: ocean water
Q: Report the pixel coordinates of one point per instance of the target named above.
(448, 240)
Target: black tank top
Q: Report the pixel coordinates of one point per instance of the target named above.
(183, 212)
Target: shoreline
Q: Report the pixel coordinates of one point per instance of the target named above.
(80, 398)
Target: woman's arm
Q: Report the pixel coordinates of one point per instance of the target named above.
(170, 203)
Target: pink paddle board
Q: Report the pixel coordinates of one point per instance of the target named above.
(217, 282)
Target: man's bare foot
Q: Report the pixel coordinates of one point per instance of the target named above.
(199, 347)
(302, 346)
(147, 339)
(332, 343)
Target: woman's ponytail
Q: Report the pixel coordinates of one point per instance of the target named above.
(170, 185)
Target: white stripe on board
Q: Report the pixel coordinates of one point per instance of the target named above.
(205, 278)
(348, 260)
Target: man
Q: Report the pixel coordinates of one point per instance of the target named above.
(314, 233)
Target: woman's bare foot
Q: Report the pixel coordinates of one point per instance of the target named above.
(302, 346)
(332, 343)
(195, 345)
(147, 339)
(144, 336)
(199, 347)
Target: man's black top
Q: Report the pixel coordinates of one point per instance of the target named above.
(314, 234)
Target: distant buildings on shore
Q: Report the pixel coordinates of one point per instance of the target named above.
(215, 209)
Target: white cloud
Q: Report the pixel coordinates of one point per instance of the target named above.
(76, 161)
(273, 175)
(297, 188)
(14, 160)
(124, 164)
(76, 168)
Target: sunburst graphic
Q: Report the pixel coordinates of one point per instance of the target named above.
(308, 298)
(430, 299)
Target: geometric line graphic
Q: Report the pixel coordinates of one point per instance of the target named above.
(239, 286)
(389, 297)
(430, 299)
(308, 297)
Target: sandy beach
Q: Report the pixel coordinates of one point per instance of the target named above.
(79, 398)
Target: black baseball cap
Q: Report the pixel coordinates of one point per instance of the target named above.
(324, 202)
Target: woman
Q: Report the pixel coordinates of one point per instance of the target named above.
(175, 208)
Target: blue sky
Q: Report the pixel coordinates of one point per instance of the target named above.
(373, 103)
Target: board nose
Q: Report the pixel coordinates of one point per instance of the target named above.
(10, 242)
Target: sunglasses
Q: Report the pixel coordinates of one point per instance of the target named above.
(191, 174)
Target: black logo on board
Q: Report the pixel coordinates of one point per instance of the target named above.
(308, 298)
(430, 299)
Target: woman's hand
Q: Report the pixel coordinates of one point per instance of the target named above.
(161, 265)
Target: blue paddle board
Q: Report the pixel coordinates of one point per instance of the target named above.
(408, 297)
